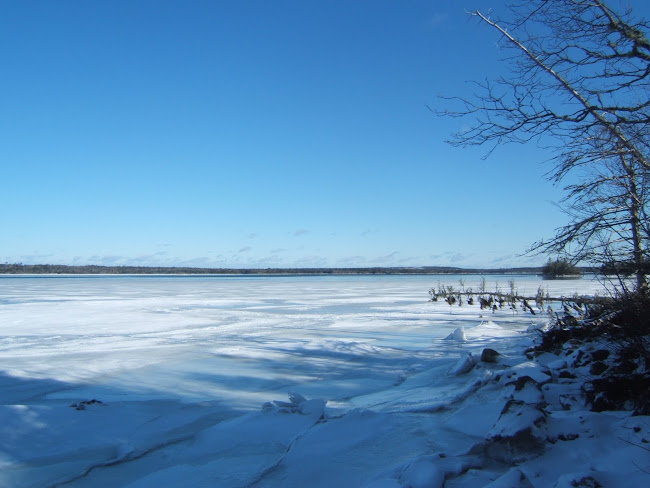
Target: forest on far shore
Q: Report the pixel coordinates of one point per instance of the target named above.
(149, 270)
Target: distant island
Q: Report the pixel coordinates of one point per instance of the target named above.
(15, 269)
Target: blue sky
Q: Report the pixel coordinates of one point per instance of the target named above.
(255, 133)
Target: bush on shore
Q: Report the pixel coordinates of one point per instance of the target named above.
(622, 324)
(560, 268)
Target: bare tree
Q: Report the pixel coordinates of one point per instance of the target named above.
(579, 86)
(608, 210)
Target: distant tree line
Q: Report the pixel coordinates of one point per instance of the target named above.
(19, 268)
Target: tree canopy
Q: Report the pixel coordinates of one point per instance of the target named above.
(579, 87)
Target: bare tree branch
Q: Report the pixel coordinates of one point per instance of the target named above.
(579, 84)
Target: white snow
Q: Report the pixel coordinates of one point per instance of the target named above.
(293, 381)
(457, 335)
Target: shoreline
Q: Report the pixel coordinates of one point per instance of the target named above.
(56, 269)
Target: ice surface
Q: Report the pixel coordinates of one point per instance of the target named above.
(259, 381)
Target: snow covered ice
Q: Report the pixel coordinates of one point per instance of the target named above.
(288, 381)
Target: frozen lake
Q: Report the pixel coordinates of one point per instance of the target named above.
(200, 350)
(233, 338)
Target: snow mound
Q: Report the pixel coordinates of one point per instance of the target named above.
(458, 335)
(297, 404)
(423, 473)
(463, 365)
(489, 329)
(514, 478)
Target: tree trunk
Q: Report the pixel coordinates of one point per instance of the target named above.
(635, 227)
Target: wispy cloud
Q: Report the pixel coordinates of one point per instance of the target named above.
(312, 261)
(109, 260)
(502, 259)
(458, 257)
(514, 260)
(386, 259)
(245, 249)
(36, 258)
(301, 232)
(439, 18)
(149, 259)
(200, 262)
(351, 261)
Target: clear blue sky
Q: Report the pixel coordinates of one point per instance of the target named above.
(254, 133)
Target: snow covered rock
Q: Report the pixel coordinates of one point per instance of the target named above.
(423, 473)
(528, 368)
(312, 407)
(563, 396)
(532, 328)
(577, 480)
(528, 391)
(515, 417)
(514, 478)
(516, 436)
(463, 365)
(557, 364)
(297, 404)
